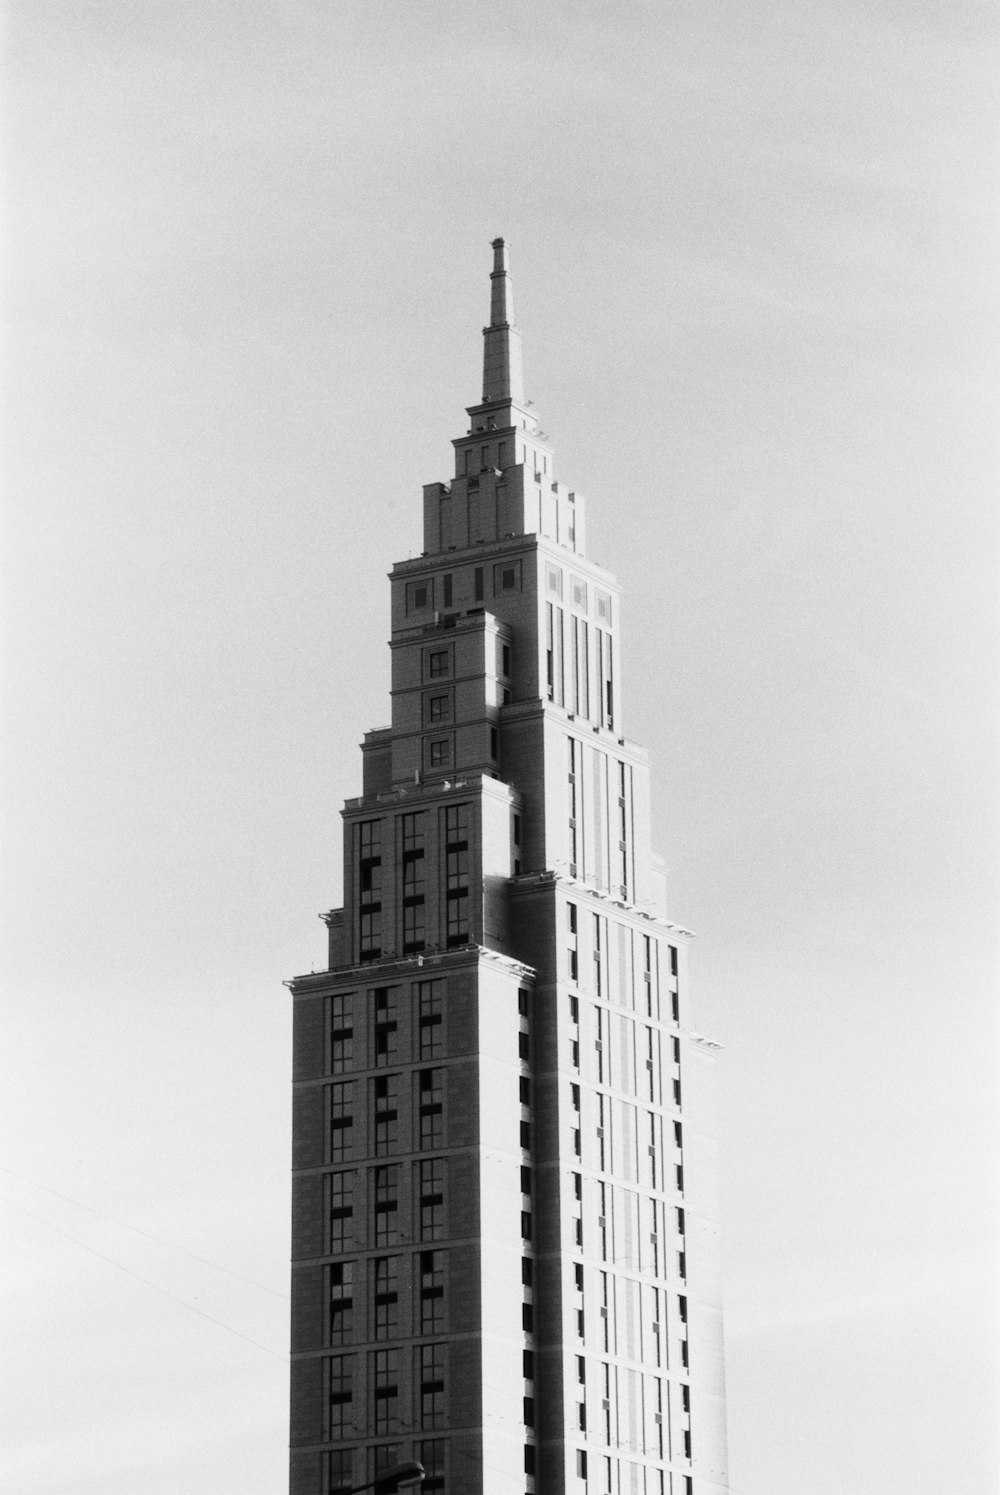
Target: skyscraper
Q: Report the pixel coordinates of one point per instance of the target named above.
(504, 1248)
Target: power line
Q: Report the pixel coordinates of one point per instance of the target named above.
(145, 1280)
(102, 1214)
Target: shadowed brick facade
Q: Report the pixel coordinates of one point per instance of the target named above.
(504, 1240)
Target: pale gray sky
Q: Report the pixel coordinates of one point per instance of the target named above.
(249, 249)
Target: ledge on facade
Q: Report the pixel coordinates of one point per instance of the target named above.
(525, 880)
(431, 959)
(471, 782)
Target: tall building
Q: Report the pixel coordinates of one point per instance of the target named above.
(504, 1240)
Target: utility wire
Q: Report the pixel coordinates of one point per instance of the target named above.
(135, 1229)
(146, 1282)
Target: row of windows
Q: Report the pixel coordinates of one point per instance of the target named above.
(642, 1322)
(381, 1320)
(412, 829)
(438, 592)
(344, 1468)
(425, 1128)
(623, 1477)
(429, 1381)
(399, 1021)
(579, 666)
(615, 963)
(639, 1147)
(578, 593)
(425, 1125)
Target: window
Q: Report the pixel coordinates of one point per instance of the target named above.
(431, 1107)
(477, 584)
(431, 1187)
(341, 1212)
(386, 1190)
(341, 1033)
(440, 752)
(385, 1294)
(370, 888)
(505, 659)
(432, 1455)
(528, 1365)
(431, 1020)
(341, 1302)
(384, 1456)
(341, 1396)
(598, 955)
(370, 840)
(458, 919)
(386, 1093)
(414, 926)
(341, 1121)
(581, 1463)
(385, 1377)
(438, 709)
(507, 577)
(386, 1030)
(446, 584)
(456, 836)
(371, 934)
(432, 1314)
(528, 1412)
(431, 1370)
(419, 596)
(438, 664)
(340, 1470)
(456, 824)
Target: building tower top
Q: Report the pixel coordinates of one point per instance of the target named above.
(503, 378)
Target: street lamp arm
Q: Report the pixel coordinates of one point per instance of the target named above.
(400, 1474)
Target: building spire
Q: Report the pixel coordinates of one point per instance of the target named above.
(503, 378)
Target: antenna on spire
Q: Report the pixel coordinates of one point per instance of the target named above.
(502, 375)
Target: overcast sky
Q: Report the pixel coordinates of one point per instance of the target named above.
(753, 261)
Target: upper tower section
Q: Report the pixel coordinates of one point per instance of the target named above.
(504, 484)
(503, 376)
